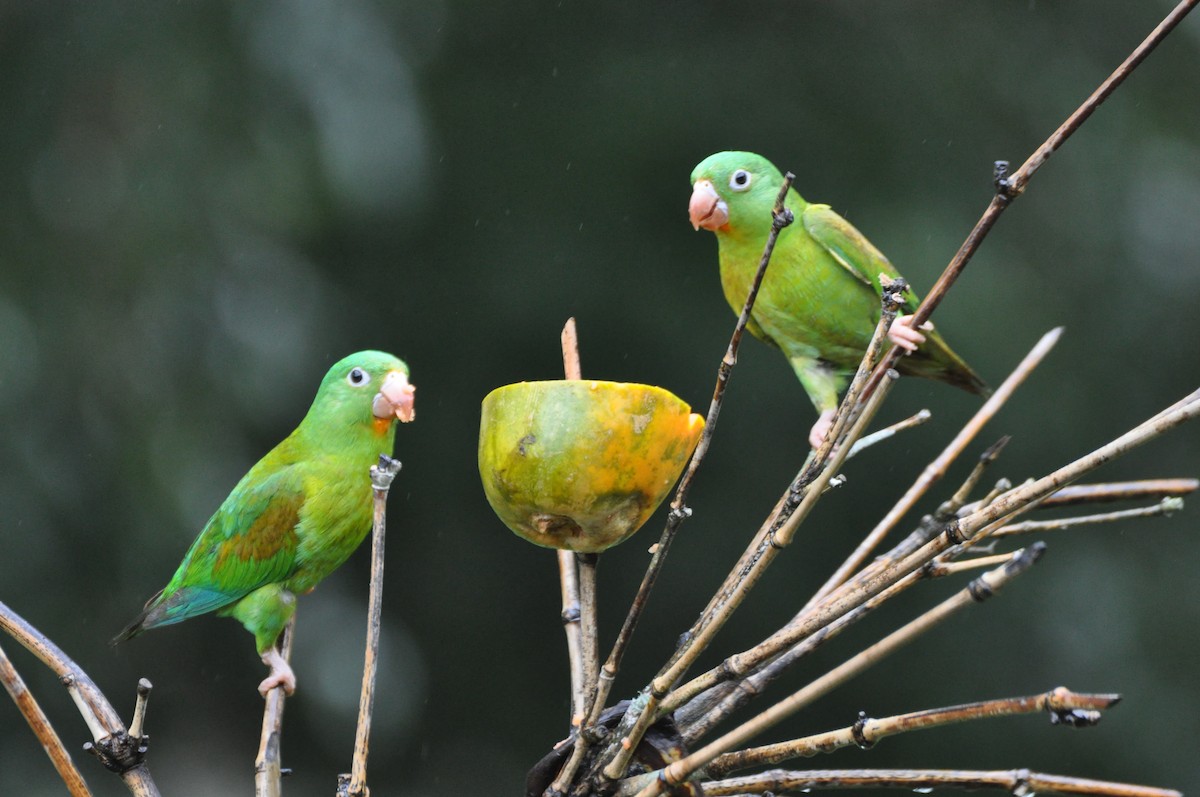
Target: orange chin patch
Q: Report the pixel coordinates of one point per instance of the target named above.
(381, 426)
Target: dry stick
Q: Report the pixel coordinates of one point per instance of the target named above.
(116, 748)
(268, 769)
(936, 469)
(577, 574)
(1165, 508)
(799, 491)
(698, 717)
(42, 729)
(1014, 781)
(964, 531)
(568, 577)
(586, 562)
(1121, 491)
(711, 708)
(781, 217)
(1064, 707)
(657, 701)
(888, 432)
(568, 566)
(1007, 189)
(977, 591)
(774, 535)
(355, 785)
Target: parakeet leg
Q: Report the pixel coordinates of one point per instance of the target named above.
(281, 673)
(901, 333)
(822, 384)
(264, 613)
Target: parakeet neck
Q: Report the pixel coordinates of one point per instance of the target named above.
(333, 431)
(753, 228)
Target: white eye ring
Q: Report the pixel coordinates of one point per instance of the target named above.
(740, 180)
(358, 377)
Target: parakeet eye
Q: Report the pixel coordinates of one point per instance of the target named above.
(358, 377)
(739, 180)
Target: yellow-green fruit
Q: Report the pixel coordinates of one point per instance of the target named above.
(581, 464)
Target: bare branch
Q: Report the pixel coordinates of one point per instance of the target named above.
(937, 468)
(1064, 707)
(119, 751)
(1120, 491)
(268, 770)
(42, 729)
(355, 785)
(978, 590)
(1015, 781)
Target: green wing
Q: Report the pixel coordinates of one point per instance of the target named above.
(852, 251)
(250, 541)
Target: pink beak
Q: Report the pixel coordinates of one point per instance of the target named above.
(395, 398)
(707, 209)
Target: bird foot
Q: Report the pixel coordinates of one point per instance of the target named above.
(821, 428)
(281, 674)
(903, 335)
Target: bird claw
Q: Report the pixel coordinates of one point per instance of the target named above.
(821, 428)
(903, 335)
(281, 674)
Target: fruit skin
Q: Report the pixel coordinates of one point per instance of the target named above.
(581, 464)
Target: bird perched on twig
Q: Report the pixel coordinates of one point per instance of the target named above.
(295, 516)
(820, 299)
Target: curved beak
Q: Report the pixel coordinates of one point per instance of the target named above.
(707, 209)
(395, 398)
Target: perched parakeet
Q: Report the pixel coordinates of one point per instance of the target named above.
(820, 299)
(295, 516)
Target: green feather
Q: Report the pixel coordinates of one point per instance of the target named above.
(820, 299)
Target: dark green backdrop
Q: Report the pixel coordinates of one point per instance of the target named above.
(205, 204)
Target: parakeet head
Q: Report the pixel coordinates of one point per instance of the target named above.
(733, 190)
(368, 387)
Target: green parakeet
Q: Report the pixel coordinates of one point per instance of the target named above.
(820, 299)
(295, 516)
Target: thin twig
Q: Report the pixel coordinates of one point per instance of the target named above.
(568, 578)
(568, 566)
(577, 575)
(937, 468)
(961, 532)
(1121, 491)
(119, 751)
(382, 476)
(781, 217)
(978, 590)
(1165, 508)
(658, 703)
(1015, 781)
(42, 729)
(968, 530)
(268, 770)
(1064, 707)
(1009, 187)
(887, 432)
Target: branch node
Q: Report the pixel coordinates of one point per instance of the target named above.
(1005, 188)
(858, 731)
(119, 753)
(383, 473)
(1074, 718)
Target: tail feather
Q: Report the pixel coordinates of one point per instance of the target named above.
(935, 360)
(176, 607)
(140, 623)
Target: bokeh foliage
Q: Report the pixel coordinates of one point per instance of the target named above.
(205, 204)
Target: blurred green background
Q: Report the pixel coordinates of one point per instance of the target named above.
(206, 204)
